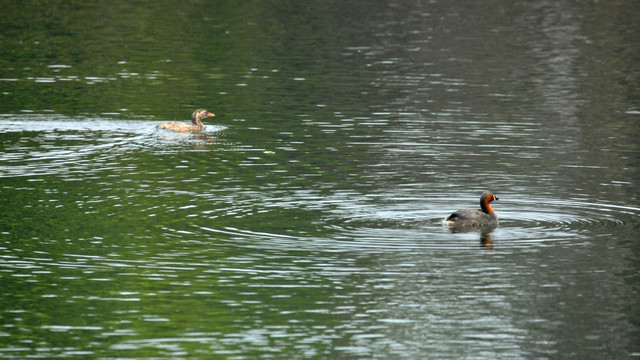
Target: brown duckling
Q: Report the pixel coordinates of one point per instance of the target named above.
(196, 119)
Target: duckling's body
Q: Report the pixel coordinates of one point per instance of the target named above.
(196, 119)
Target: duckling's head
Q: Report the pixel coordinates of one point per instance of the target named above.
(199, 114)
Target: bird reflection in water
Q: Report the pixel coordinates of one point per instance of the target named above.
(200, 138)
(486, 240)
(485, 233)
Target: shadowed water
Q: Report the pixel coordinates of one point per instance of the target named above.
(305, 221)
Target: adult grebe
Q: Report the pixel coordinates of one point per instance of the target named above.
(474, 217)
(182, 127)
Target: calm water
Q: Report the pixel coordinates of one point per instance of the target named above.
(305, 221)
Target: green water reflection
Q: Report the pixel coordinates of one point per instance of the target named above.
(305, 222)
(162, 60)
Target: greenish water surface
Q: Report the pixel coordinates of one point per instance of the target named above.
(305, 221)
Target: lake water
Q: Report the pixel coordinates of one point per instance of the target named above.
(305, 222)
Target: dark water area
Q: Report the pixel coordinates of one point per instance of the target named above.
(305, 221)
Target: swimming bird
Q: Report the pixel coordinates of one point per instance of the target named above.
(196, 119)
(474, 217)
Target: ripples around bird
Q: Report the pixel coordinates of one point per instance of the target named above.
(142, 232)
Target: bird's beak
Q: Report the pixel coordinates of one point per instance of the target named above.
(210, 114)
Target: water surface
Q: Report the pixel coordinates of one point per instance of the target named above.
(305, 221)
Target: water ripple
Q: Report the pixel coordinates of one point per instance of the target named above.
(70, 147)
(405, 226)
